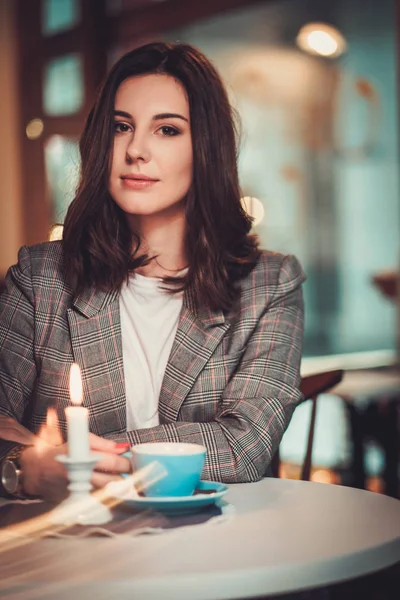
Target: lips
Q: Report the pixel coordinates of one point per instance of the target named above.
(137, 182)
(138, 177)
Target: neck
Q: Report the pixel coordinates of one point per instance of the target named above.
(164, 239)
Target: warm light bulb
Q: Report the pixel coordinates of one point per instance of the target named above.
(34, 129)
(75, 384)
(321, 39)
(322, 43)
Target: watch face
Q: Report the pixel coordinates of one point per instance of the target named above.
(9, 477)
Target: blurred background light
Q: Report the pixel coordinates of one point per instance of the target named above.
(34, 129)
(321, 39)
(254, 208)
(56, 233)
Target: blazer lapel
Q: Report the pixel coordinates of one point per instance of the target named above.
(95, 330)
(198, 335)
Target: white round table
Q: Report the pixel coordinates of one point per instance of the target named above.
(286, 536)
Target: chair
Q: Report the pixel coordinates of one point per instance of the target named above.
(311, 386)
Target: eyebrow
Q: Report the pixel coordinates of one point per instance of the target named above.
(159, 117)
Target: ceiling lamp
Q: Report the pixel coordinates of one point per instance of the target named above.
(321, 39)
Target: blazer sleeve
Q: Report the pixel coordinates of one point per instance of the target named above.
(17, 364)
(257, 404)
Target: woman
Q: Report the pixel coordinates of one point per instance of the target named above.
(183, 328)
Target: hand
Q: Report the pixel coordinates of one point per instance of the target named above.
(13, 431)
(42, 475)
(110, 467)
(45, 477)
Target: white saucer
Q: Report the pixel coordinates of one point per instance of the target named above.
(180, 504)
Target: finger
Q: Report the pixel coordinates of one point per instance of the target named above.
(101, 444)
(99, 480)
(56, 450)
(19, 435)
(113, 463)
(27, 437)
(12, 430)
(123, 447)
(9, 423)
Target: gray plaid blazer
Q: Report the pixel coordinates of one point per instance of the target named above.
(231, 382)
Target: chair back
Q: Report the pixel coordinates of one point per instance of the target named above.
(311, 386)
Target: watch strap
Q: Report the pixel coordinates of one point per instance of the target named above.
(14, 454)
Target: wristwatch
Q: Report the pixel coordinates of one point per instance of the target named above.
(11, 473)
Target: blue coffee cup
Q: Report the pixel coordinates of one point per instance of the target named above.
(177, 467)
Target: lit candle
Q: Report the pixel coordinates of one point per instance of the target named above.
(77, 418)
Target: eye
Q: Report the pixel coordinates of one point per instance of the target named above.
(120, 127)
(169, 131)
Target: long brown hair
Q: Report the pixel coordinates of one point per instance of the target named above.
(100, 249)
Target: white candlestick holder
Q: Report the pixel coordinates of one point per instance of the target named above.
(81, 507)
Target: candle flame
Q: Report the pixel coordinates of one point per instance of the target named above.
(75, 384)
(50, 432)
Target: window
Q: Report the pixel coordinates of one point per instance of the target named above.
(63, 85)
(62, 164)
(59, 15)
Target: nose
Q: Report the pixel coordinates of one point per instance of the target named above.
(137, 149)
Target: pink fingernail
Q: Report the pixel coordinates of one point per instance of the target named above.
(122, 446)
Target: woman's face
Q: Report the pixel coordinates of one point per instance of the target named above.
(152, 161)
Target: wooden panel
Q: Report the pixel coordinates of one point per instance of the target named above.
(155, 17)
(35, 50)
(63, 42)
(66, 126)
(93, 47)
(35, 202)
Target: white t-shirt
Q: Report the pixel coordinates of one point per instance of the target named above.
(149, 320)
